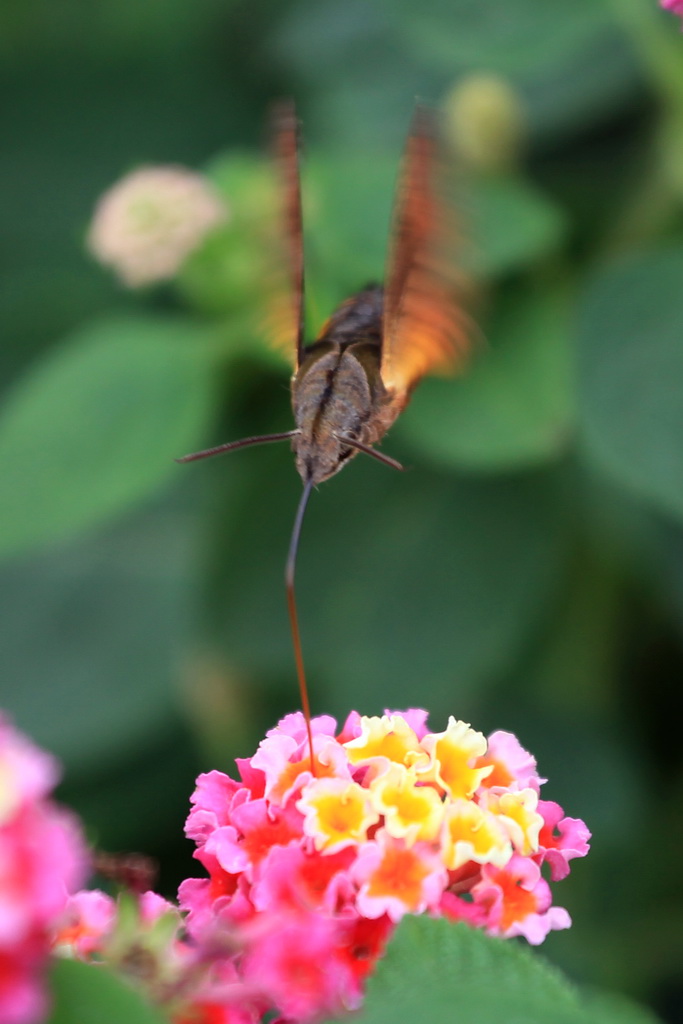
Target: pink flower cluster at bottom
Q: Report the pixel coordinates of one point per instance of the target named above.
(42, 858)
(308, 874)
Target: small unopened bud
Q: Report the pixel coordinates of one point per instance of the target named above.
(485, 122)
(146, 225)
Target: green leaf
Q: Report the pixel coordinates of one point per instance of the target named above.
(514, 406)
(40, 304)
(111, 611)
(350, 198)
(228, 273)
(93, 429)
(631, 375)
(569, 61)
(513, 224)
(506, 36)
(90, 994)
(442, 972)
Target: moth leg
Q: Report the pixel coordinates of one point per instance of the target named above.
(367, 450)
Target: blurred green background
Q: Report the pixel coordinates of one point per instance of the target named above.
(527, 574)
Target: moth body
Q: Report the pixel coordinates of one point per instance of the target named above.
(337, 392)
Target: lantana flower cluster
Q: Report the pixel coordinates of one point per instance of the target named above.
(42, 858)
(309, 872)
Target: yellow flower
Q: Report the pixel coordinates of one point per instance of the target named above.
(454, 752)
(517, 813)
(390, 738)
(472, 833)
(336, 813)
(411, 812)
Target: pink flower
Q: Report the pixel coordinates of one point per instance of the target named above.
(560, 839)
(300, 966)
(395, 880)
(257, 827)
(213, 798)
(305, 881)
(86, 923)
(513, 766)
(42, 859)
(518, 901)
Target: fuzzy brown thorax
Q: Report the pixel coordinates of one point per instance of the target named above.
(334, 396)
(337, 392)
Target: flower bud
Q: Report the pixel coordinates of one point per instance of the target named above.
(485, 122)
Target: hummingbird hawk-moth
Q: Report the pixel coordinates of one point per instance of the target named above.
(354, 379)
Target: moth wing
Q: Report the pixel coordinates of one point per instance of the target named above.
(424, 326)
(284, 319)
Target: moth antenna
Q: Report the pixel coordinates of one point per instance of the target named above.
(232, 446)
(367, 450)
(293, 618)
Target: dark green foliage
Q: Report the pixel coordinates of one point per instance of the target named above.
(631, 366)
(99, 423)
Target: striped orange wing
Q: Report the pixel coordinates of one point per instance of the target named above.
(285, 314)
(424, 327)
